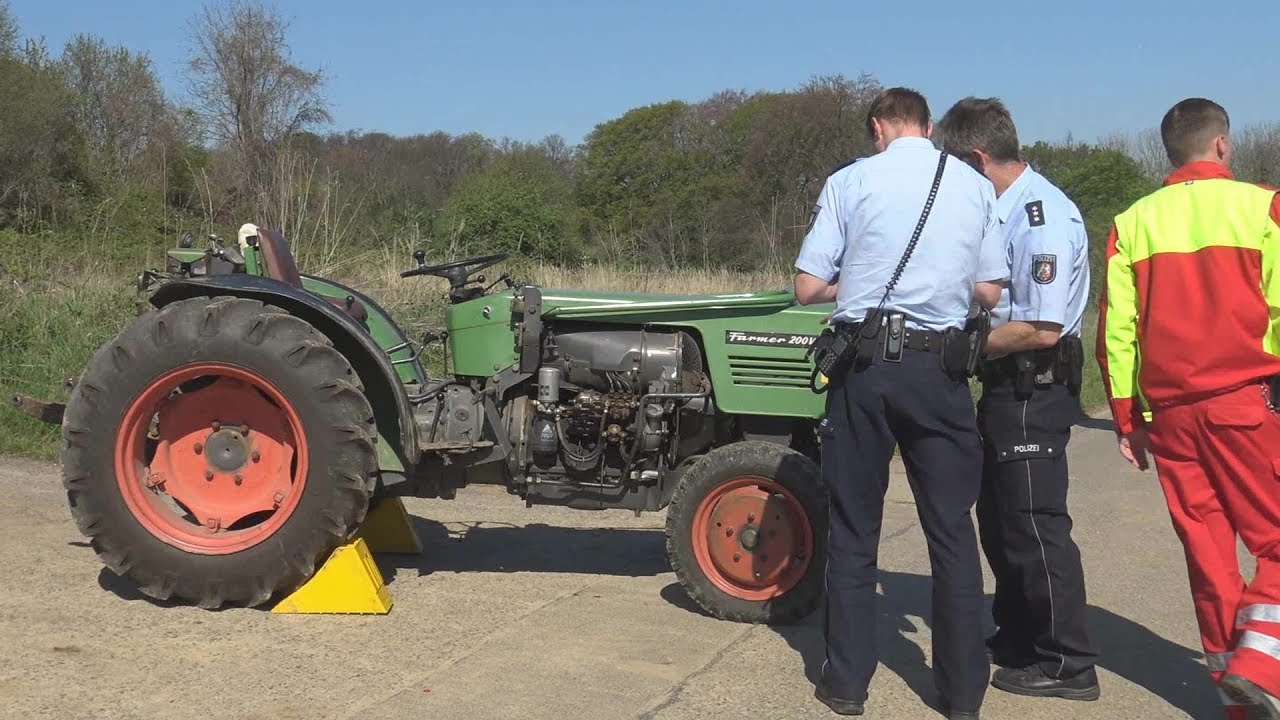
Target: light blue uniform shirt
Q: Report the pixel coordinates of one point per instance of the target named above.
(1047, 252)
(864, 220)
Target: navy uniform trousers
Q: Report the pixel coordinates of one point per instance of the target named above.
(1039, 605)
(931, 418)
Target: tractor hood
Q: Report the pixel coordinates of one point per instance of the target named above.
(755, 345)
(583, 304)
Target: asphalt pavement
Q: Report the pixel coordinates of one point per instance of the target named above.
(551, 613)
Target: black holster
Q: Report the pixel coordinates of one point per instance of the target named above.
(962, 349)
(1024, 379)
(978, 328)
(1063, 364)
(866, 338)
(956, 349)
(1071, 360)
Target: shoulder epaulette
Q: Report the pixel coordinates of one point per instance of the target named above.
(842, 166)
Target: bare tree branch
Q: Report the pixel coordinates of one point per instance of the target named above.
(253, 99)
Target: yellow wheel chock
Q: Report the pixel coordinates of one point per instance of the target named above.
(349, 582)
(387, 529)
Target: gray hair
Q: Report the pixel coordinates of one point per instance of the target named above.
(979, 124)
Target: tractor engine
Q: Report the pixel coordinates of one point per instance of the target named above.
(590, 418)
(611, 409)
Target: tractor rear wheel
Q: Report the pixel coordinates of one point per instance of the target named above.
(216, 450)
(746, 533)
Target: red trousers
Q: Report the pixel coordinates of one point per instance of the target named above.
(1219, 464)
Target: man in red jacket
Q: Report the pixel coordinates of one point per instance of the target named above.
(1188, 329)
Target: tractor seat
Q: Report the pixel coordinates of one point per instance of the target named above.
(281, 266)
(279, 257)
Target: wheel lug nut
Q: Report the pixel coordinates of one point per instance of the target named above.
(728, 532)
(199, 448)
(751, 517)
(208, 474)
(256, 456)
(239, 479)
(737, 557)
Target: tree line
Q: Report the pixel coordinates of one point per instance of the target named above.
(96, 158)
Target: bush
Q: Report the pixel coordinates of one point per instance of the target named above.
(520, 205)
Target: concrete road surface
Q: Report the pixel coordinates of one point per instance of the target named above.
(549, 613)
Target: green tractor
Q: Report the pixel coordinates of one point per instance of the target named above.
(228, 440)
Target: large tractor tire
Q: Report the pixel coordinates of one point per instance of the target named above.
(747, 533)
(216, 450)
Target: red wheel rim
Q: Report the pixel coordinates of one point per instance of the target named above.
(752, 538)
(211, 458)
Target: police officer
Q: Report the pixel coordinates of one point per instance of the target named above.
(1031, 380)
(897, 389)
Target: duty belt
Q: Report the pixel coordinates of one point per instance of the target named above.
(929, 341)
(1006, 368)
(1058, 365)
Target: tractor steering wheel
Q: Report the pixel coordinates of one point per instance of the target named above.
(455, 272)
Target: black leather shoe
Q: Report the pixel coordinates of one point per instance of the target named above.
(1259, 704)
(839, 706)
(1033, 682)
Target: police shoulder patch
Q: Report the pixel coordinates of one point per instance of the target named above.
(1035, 213)
(813, 218)
(1044, 268)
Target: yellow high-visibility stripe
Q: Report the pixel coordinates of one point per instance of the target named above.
(1176, 219)
(1122, 325)
(1271, 284)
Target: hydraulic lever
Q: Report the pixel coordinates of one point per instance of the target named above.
(502, 278)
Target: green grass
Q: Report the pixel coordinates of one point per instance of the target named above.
(1093, 397)
(48, 332)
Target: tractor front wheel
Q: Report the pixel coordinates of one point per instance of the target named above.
(746, 533)
(216, 450)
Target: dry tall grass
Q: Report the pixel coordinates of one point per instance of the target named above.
(417, 302)
(381, 277)
(645, 280)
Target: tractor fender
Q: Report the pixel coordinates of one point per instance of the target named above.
(391, 408)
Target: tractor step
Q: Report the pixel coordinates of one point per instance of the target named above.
(349, 582)
(42, 410)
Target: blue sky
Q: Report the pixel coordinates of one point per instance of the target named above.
(528, 69)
